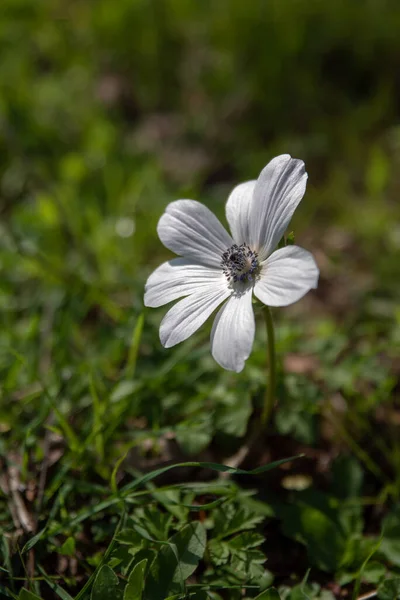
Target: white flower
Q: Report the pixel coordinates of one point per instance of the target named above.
(215, 268)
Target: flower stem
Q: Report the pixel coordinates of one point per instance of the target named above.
(270, 393)
(259, 425)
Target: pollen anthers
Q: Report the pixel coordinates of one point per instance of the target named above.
(239, 263)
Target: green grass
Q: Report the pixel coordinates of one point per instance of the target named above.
(107, 113)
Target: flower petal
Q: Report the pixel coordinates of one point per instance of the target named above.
(190, 229)
(238, 211)
(185, 317)
(232, 333)
(286, 276)
(176, 278)
(279, 189)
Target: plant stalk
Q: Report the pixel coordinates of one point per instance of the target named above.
(271, 384)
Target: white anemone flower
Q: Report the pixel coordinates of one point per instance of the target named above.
(216, 268)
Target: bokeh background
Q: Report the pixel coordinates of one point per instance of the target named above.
(110, 110)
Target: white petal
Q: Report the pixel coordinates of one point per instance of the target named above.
(232, 333)
(190, 229)
(185, 317)
(286, 276)
(176, 278)
(237, 211)
(279, 189)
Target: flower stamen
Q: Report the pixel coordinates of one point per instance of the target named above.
(240, 263)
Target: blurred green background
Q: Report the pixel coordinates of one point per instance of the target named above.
(110, 110)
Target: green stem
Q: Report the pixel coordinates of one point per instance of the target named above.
(270, 393)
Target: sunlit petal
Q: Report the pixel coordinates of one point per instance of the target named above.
(233, 330)
(279, 189)
(177, 278)
(185, 317)
(238, 211)
(286, 276)
(191, 230)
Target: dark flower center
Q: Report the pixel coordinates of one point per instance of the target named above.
(240, 263)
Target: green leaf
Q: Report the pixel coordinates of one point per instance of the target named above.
(205, 465)
(135, 585)
(199, 595)
(83, 592)
(33, 541)
(105, 585)
(390, 545)
(114, 473)
(270, 594)
(55, 586)
(219, 552)
(321, 535)
(238, 553)
(129, 537)
(360, 576)
(246, 540)
(248, 565)
(389, 589)
(232, 518)
(122, 558)
(299, 593)
(68, 547)
(27, 595)
(347, 476)
(155, 522)
(374, 572)
(176, 562)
